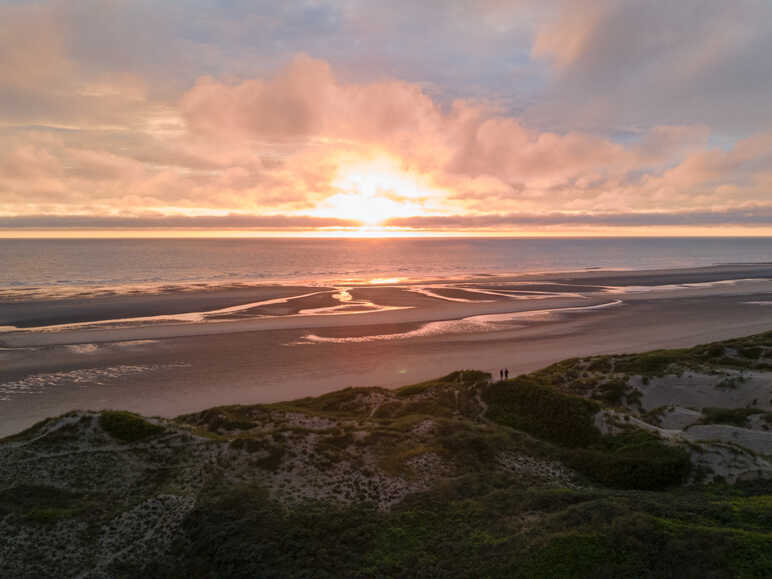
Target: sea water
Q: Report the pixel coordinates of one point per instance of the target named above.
(59, 263)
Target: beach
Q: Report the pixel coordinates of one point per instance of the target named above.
(177, 350)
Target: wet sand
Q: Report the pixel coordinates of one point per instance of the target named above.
(168, 368)
(666, 276)
(43, 312)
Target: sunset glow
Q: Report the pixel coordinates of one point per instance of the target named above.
(354, 288)
(372, 193)
(315, 126)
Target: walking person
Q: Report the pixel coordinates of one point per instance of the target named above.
(506, 373)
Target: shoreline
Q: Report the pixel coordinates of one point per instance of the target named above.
(228, 303)
(57, 292)
(171, 327)
(187, 374)
(171, 368)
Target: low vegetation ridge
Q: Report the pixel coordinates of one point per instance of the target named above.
(641, 465)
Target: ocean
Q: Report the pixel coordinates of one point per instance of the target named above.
(85, 263)
(59, 263)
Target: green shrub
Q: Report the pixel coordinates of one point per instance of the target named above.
(43, 504)
(49, 514)
(733, 362)
(543, 412)
(222, 418)
(633, 460)
(472, 527)
(127, 426)
(732, 416)
(413, 389)
(250, 445)
(337, 402)
(599, 364)
(710, 351)
(470, 445)
(752, 352)
(730, 382)
(459, 377)
(273, 460)
(27, 433)
(612, 392)
(654, 363)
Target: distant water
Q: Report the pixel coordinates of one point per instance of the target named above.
(61, 263)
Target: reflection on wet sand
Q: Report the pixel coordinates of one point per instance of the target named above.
(468, 325)
(460, 306)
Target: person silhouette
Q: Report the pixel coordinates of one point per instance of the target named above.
(506, 373)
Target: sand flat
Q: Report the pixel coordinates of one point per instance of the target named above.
(167, 368)
(42, 312)
(170, 328)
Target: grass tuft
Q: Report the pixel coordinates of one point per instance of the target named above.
(127, 426)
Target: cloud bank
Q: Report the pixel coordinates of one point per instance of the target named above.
(600, 114)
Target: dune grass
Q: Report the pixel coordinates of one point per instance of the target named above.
(480, 526)
(127, 426)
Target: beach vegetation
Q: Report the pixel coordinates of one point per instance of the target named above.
(613, 392)
(272, 460)
(457, 378)
(395, 461)
(224, 418)
(127, 426)
(730, 382)
(632, 460)
(732, 416)
(334, 404)
(45, 504)
(478, 526)
(734, 362)
(405, 423)
(655, 415)
(455, 477)
(654, 363)
(524, 404)
(599, 364)
(30, 432)
(50, 514)
(751, 352)
(470, 445)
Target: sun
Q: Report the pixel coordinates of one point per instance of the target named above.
(372, 193)
(368, 209)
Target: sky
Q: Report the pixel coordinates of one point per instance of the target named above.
(439, 117)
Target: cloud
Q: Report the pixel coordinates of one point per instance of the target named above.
(305, 104)
(633, 63)
(745, 216)
(302, 140)
(438, 108)
(174, 222)
(558, 65)
(304, 101)
(749, 216)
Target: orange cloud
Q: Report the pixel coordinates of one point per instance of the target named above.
(305, 142)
